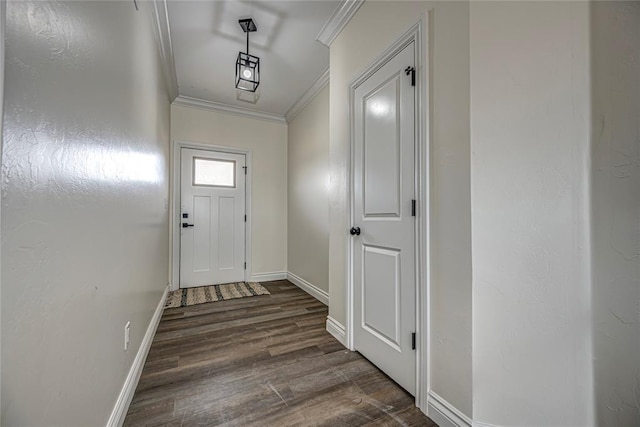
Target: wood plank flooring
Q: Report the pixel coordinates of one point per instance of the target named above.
(262, 361)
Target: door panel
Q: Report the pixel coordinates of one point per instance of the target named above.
(226, 242)
(201, 239)
(212, 248)
(383, 190)
(382, 161)
(380, 296)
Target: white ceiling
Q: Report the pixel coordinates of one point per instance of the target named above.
(206, 40)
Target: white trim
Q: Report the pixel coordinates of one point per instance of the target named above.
(479, 424)
(308, 96)
(268, 277)
(338, 20)
(415, 34)
(3, 21)
(174, 191)
(187, 101)
(424, 64)
(162, 32)
(309, 288)
(126, 394)
(337, 329)
(444, 413)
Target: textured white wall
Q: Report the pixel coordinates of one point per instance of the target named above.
(268, 144)
(308, 194)
(530, 135)
(375, 27)
(84, 218)
(450, 303)
(615, 73)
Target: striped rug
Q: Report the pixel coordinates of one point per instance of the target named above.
(203, 294)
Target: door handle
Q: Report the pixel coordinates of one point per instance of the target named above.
(185, 225)
(355, 231)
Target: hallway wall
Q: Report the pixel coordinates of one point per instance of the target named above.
(308, 190)
(84, 205)
(268, 143)
(530, 145)
(615, 173)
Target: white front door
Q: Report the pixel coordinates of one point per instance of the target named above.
(212, 218)
(384, 187)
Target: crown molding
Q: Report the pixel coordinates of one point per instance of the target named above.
(187, 101)
(162, 32)
(338, 20)
(308, 96)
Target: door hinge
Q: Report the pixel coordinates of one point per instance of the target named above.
(413, 341)
(245, 218)
(245, 169)
(245, 267)
(412, 71)
(413, 207)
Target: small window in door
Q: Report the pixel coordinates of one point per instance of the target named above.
(214, 172)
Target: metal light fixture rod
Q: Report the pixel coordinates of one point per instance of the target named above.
(247, 66)
(248, 26)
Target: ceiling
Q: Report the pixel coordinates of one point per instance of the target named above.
(206, 39)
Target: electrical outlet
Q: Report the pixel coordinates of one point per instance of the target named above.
(127, 335)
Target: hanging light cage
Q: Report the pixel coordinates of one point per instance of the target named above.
(247, 66)
(247, 72)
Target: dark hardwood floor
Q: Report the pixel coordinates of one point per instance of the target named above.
(262, 361)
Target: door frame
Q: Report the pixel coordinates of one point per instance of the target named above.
(175, 193)
(420, 37)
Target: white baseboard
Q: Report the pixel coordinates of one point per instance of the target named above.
(126, 394)
(444, 413)
(268, 277)
(336, 329)
(479, 424)
(309, 288)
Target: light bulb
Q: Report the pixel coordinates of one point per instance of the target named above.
(246, 73)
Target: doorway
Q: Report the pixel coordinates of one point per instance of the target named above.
(383, 233)
(211, 224)
(393, 330)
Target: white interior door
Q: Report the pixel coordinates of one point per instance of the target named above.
(212, 220)
(384, 275)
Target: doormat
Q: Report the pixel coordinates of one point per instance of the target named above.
(203, 294)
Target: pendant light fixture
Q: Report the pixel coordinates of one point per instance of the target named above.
(247, 66)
